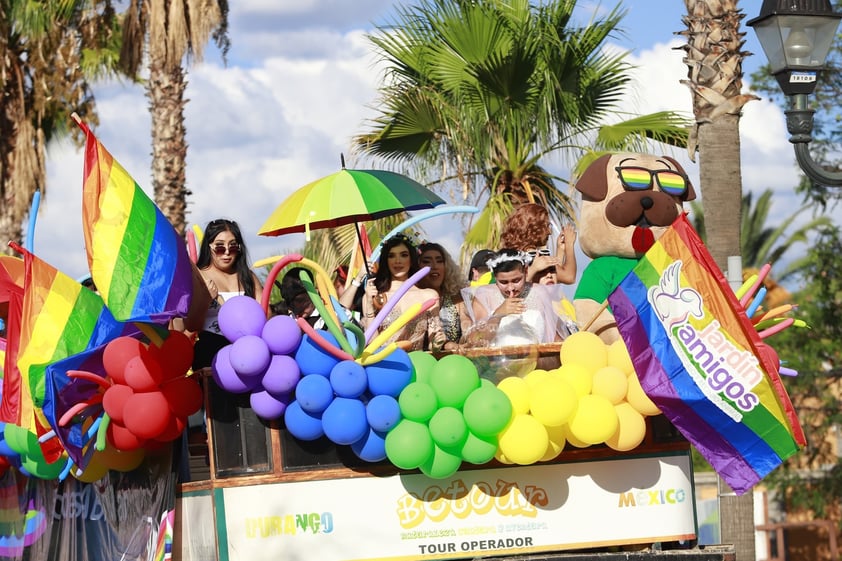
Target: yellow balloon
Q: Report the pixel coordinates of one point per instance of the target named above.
(584, 348)
(571, 438)
(535, 376)
(120, 460)
(610, 382)
(595, 419)
(577, 376)
(638, 398)
(94, 471)
(557, 441)
(552, 401)
(524, 441)
(500, 457)
(618, 356)
(631, 429)
(517, 391)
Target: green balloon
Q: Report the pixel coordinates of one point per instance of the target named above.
(479, 450)
(409, 444)
(453, 379)
(441, 464)
(487, 411)
(418, 402)
(448, 428)
(21, 440)
(422, 364)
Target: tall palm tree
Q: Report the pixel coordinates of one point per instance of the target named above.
(480, 91)
(761, 243)
(48, 52)
(168, 32)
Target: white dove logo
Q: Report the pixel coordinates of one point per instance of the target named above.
(671, 302)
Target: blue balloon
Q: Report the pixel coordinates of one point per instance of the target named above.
(241, 315)
(268, 406)
(301, 424)
(344, 420)
(348, 379)
(371, 447)
(391, 375)
(314, 393)
(312, 359)
(282, 335)
(383, 412)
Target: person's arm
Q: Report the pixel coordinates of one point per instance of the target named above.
(347, 298)
(199, 302)
(566, 252)
(258, 288)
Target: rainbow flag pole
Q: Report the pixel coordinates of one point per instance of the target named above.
(701, 361)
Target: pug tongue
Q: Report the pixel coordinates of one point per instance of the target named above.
(642, 240)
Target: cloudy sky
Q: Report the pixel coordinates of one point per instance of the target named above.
(298, 85)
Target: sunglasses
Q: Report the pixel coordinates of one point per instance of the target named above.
(639, 179)
(220, 249)
(533, 253)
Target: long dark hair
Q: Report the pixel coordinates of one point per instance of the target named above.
(241, 263)
(383, 278)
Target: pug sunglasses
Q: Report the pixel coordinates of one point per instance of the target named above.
(639, 179)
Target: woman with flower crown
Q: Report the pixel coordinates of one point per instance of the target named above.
(512, 298)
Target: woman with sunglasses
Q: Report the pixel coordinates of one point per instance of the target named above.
(528, 229)
(223, 263)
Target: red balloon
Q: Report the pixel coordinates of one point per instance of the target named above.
(184, 395)
(175, 355)
(143, 374)
(122, 438)
(147, 414)
(114, 401)
(173, 430)
(117, 353)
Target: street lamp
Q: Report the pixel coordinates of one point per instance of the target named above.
(796, 36)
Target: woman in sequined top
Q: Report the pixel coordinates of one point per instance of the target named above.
(446, 279)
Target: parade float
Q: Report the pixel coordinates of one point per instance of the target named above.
(338, 444)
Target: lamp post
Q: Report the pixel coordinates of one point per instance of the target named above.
(796, 36)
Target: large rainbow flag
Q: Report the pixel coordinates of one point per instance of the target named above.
(701, 361)
(60, 318)
(137, 260)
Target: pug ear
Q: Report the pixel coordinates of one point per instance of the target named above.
(690, 195)
(593, 184)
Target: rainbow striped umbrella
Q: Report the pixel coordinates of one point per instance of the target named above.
(345, 197)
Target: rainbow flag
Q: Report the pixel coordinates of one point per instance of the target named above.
(60, 318)
(137, 260)
(11, 296)
(701, 361)
(163, 545)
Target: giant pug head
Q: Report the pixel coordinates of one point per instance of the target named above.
(628, 200)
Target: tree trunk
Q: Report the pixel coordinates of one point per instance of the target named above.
(165, 91)
(721, 186)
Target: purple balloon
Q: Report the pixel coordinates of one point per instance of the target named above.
(383, 412)
(344, 420)
(371, 447)
(301, 424)
(391, 375)
(241, 315)
(266, 406)
(225, 375)
(314, 393)
(348, 379)
(282, 375)
(250, 356)
(282, 335)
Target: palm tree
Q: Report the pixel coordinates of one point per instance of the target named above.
(169, 32)
(48, 52)
(478, 92)
(761, 243)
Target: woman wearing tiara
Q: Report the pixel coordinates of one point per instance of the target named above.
(512, 299)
